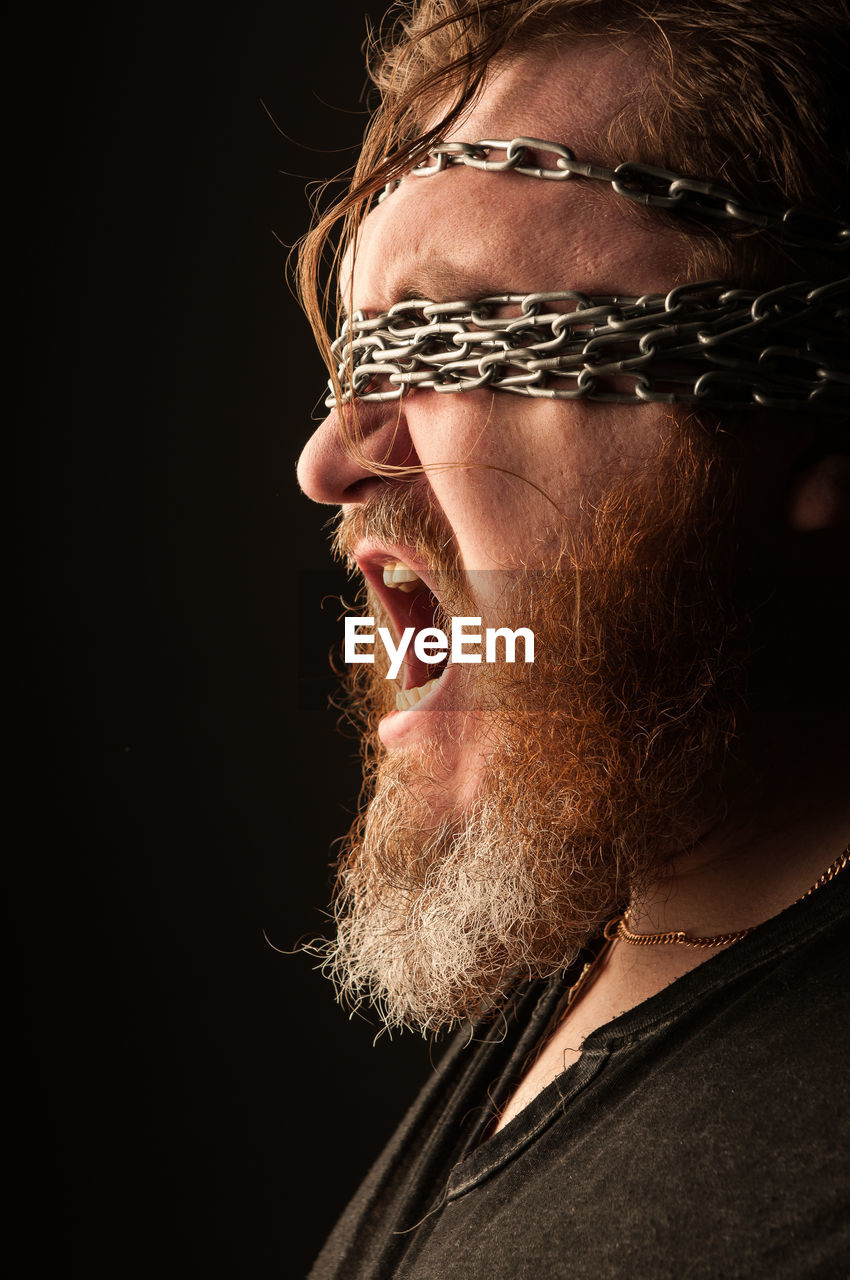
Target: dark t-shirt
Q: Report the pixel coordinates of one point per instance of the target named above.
(702, 1134)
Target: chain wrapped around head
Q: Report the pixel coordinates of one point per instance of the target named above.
(703, 342)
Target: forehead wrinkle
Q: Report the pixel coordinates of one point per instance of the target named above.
(425, 269)
(413, 266)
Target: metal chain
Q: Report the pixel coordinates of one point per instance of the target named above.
(708, 342)
(643, 183)
(618, 927)
(705, 342)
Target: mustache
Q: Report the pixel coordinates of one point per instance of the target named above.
(398, 516)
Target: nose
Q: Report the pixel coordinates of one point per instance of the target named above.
(330, 471)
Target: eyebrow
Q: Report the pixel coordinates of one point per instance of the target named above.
(437, 279)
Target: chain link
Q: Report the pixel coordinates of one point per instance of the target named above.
(708, 342)
(786, 348)
(643, 183)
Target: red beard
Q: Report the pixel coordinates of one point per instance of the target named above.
(597, 762)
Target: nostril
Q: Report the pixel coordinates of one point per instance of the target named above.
(360, 490)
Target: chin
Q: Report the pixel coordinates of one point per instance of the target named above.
(448, 753)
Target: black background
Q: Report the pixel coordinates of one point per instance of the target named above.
(192, 1102)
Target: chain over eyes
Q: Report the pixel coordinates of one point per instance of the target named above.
(707, 342)
(787, 348)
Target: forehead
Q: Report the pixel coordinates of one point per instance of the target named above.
(464, 232)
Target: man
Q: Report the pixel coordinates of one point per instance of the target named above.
(619, 867)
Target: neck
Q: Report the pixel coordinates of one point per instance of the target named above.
(786, 818)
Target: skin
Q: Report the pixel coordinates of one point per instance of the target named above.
(506, 473)
(463, 233)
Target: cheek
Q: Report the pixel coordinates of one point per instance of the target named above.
(500, 441)
(504, 471)
(507, 472)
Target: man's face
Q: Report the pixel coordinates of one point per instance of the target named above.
(499, 828)
(506, 476)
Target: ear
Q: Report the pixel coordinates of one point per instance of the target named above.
(820, 493)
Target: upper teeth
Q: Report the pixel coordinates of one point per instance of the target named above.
(398, 575)
(406, 698)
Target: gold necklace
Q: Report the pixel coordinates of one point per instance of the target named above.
(617, 928)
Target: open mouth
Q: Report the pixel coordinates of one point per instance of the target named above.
(409, 601)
